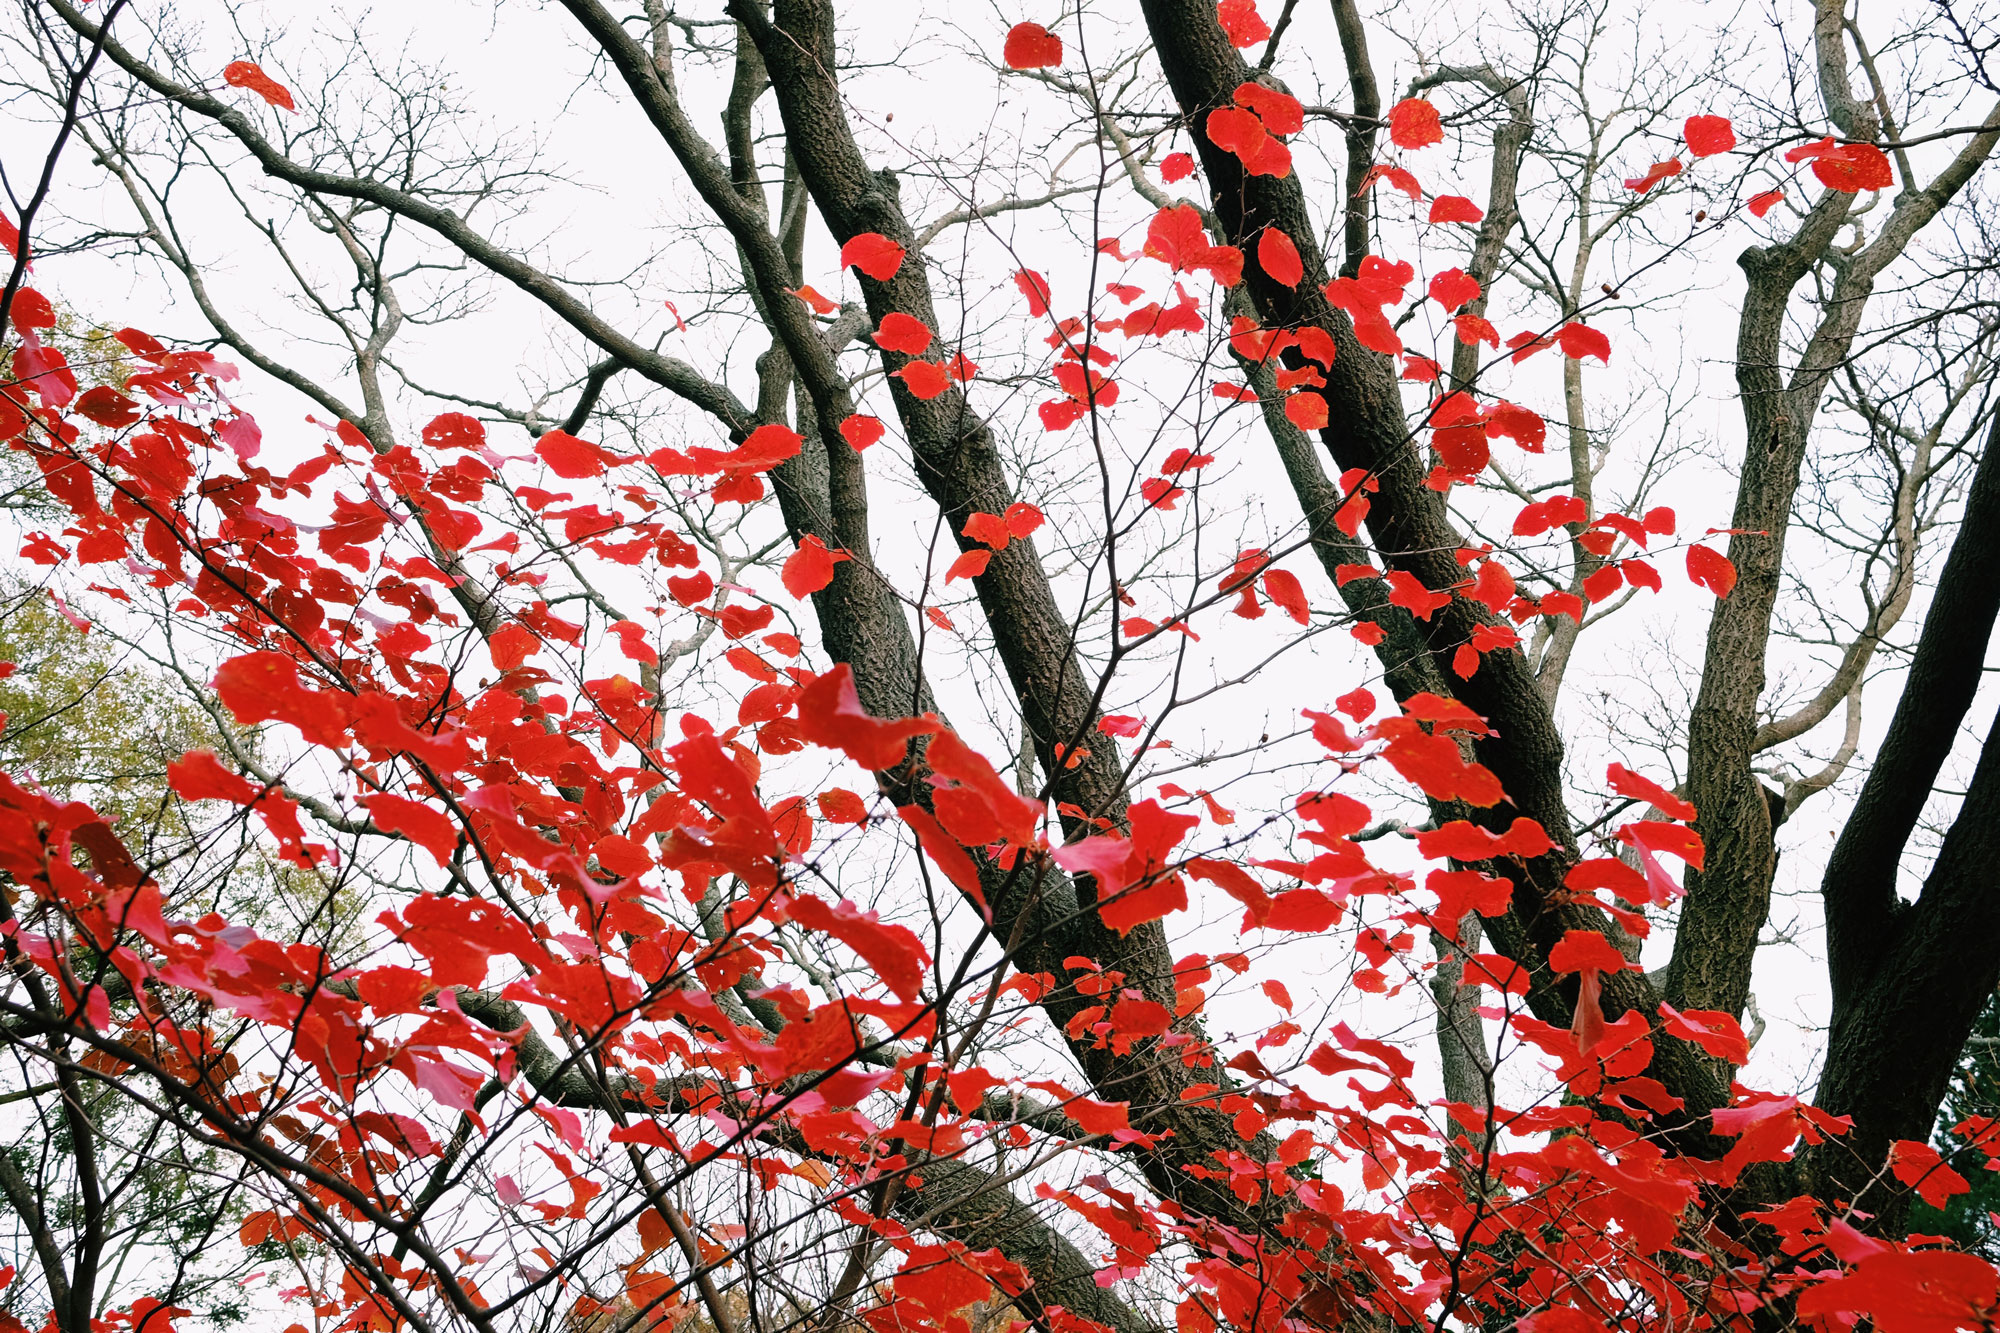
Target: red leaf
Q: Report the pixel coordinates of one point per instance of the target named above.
(1711, 569)
(430, 829)
(837, 805)
(1035, 288)
(831, 715)
(969, 565)
(245, 74)
(1397, 177)
(1714, 1031)
(1176, 167)
(810, 568)
(1922, 1167)
(1585, 951)
(1240, 132)
(1237, 883)
(1708, 135)
(1608, 872)
(570, 457)
(1281, 112)
(1474, 329)
(990, 529)
(1406, 591)
(973, 803)
(1580, 340)
(199, 776)
(1656, 173)
(1060, 413)
(820, 305)
(1454, 288)
(1283, 588)
(265, 687)
(108, 407)
(874, 254)
(1414, 123)
(946, 854)
(1311, 911)
(1275, 991)
(1673, 839)
(894, 952)
(861, 431)
(1022, 519)
(924, 379)
(1306, 410)
(1627, 783)
(903, 333)
(1031, 46)
(1279, 258)
(1241, 22)
(1856, 167)
(738, 621)
(1849, 168)
(1763, 203)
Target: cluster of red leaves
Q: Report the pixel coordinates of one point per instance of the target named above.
(536, 800)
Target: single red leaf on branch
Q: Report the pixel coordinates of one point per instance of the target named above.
(1414, 123)
(247, 74)
(1711, 569)
(1031, 46)
(1708, 135)
(874, 254)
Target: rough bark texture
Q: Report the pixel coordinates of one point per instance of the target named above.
(1909, 978)
(1410, 529)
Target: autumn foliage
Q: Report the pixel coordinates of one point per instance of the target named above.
(605, 963)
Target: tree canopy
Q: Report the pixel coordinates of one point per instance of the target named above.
(771, 666)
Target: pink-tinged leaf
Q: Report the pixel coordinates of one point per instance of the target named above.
(1627, 783)
(1120, 724)
(1714, 1031)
